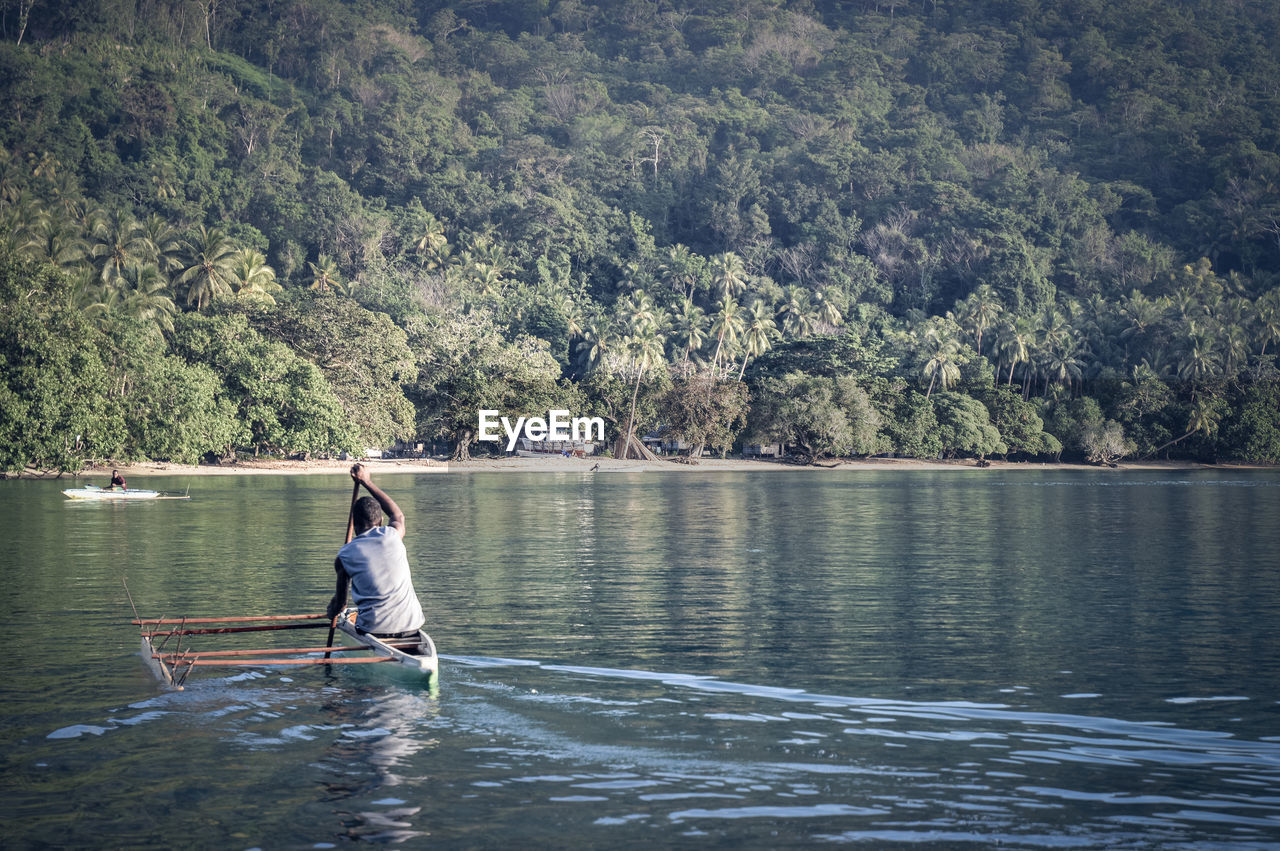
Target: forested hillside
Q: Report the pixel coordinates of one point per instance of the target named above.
(943, 228)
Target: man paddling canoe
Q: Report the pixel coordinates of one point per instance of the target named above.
(374, 563)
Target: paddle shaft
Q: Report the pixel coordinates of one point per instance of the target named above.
(351, 528)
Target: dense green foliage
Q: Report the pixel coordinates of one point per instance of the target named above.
(960, 228)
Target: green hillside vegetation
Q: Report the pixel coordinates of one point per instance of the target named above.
(935, 229)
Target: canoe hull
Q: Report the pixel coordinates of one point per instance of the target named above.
(92, 492)
(424, 660)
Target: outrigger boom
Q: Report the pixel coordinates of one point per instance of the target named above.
(174, 665)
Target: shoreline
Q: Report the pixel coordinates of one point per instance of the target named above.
(554, 464)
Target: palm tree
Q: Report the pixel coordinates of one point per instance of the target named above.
(164, 179)
(1200, 357)
(486, 278)
(1141, 314)
(1188, 304)
(119, 243)
(325, 274)
(162, 242)
(19, 233)
(1235, 347)
(942, 351)
(573, 315)
(1203, 418)
(597, 342)
(210, 272)
(97, 303)
(759, 334)
(727, 325)
(1062, 364)
(1267, 315)
(87, 292)
(632, 278)
(728, 275)
(979, 312)
(1052, 327)
(431, 240)
(59, 242)
(689, 330)
(485, 250)
(254, 278)
(45, 165)
(66, 192)
(11, 178)
(1157, 364)
(1234, 311)
(645, 348)
(640, 313)
(797, 311)
(144, 294)
(681, 270)
(827, 310)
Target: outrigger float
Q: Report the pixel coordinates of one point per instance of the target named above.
(163, 641)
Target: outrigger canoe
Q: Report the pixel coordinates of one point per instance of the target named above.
(173, 664)
(95, 492)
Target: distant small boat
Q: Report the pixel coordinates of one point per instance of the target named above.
(95, 492)
(554, 448)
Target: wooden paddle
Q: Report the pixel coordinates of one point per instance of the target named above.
(351, 528)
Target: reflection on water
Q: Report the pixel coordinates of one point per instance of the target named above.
(1042, 660)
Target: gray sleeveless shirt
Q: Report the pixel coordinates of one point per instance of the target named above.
(381, 586)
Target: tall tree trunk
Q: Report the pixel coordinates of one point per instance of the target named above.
(24, 12)
(1170, 443)
(716, 359)
(628, 437)
(462, 450)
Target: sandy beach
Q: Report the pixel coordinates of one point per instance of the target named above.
(556, 464)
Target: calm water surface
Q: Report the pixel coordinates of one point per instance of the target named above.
(763, 660)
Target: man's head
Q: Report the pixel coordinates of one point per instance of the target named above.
(366, 514)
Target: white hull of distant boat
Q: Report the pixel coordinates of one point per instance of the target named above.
(93, 492)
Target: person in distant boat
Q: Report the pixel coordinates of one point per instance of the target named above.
(376, 567)
(117, 481)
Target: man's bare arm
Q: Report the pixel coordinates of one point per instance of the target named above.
(339, 601)
(395, 517)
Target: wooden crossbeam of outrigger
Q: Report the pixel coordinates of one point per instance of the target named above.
(270, 663)
(286, 650)
(238, 619)
(230, 629)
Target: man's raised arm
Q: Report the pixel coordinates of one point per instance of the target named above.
(395, 517)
